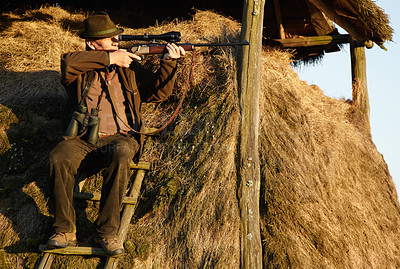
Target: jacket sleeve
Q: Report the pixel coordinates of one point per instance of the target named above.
(155, 87)
(76, 63)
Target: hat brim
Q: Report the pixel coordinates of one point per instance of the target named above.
(112, 33)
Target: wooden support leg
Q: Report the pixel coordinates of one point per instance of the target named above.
(279, 20)
(46, 261)
(359, 76)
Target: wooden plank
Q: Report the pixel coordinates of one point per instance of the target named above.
(95, 196)
(80, 178)
(249, 76)
(94, 251)
(359, 77)
(140, 165)
(310, 41)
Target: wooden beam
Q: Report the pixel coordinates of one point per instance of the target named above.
(310, 41)
(279, 20)
(248, 156)
(46, 261)
(74, 251)
(321, 23)
(128, 210)
(140, 165)
(359, 77)
(331, 14)
(95, 196)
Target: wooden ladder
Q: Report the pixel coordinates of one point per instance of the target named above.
(128, 210)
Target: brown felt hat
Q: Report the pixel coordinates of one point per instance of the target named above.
(99, 25)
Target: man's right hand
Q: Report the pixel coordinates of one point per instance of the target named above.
(122, 58)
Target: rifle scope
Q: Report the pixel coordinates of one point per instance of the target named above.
(169, 37)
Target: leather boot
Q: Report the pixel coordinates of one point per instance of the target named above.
(61, 240)
(111, 246)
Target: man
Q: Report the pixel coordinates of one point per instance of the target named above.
(117, 84)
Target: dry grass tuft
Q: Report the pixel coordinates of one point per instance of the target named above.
(38, 38)
(327, 197)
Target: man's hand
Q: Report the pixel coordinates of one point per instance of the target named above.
(174, 52)
(122, 58)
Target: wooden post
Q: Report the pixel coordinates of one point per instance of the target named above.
(46, 261)
(279, 21)
(359, 77)
(248, 156)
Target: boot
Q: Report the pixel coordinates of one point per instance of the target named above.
(61, 240)
(111, 246)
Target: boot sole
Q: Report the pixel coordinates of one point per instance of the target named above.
(55, 246)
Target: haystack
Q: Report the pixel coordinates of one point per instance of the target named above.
(327, 198)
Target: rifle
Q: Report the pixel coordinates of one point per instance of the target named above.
(157, 48)
(153, 48)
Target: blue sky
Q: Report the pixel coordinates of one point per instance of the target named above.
(333, 76)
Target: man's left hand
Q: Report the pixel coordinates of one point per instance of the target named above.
(174, 52)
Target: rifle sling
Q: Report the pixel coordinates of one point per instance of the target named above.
(173, 115)
(85, 91)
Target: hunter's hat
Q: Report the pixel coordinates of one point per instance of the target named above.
(99, 25)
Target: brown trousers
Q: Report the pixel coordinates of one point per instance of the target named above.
(113, 152)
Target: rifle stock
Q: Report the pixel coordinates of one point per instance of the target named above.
(161, 48)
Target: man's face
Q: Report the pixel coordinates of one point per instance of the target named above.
(108, 43)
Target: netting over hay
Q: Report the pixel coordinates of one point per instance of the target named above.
(327, 199)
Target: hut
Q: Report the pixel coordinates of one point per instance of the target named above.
(308, 28)
(293, 23)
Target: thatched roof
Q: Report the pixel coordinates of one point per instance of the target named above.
(362, 19)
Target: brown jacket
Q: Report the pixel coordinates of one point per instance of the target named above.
(139, 84)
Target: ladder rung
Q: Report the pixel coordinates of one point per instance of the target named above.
(140, 165)
(95, 251)
(96, 197)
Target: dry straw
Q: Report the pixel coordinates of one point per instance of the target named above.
(376, 19)
(327, 199)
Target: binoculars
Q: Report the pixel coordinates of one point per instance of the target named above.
(83, 122)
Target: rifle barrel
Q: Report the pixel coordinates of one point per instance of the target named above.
(242, 43)
(161, 48)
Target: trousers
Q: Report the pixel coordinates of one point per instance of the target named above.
(114, 153)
